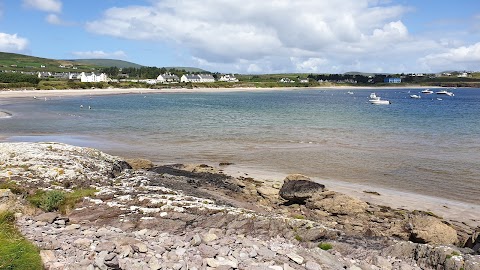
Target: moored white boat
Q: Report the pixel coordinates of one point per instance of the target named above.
(445, 92)
(377, 101)
(427, 91)
(415, 96)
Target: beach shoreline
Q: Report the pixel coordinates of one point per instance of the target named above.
(118, 91)
(397, 199)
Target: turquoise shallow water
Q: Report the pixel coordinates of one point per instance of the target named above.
(422, 145)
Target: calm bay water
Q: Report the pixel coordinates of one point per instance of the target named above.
(422, 145)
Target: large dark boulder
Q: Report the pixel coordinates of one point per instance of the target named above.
(298, 188)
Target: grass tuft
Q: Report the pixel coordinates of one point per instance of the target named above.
(325, 246)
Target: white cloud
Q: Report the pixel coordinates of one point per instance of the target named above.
(276, 36)
(100, 54)
(464, 57)
(44, 5)
(12, 43)
(56, 20)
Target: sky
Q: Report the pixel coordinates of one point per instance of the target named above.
(251, 36)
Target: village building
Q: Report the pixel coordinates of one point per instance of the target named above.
(200, 78)
(228, 78)
(92, 77)
(393, 80)
(167, 78)
(286, 80)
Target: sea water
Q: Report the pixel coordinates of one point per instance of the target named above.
(425, 145)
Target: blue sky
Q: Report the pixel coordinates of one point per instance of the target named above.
(251, 36)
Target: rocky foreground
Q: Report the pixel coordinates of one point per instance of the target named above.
(178, 217)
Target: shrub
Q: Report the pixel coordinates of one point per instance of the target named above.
(325, 246)
(59, 200)
(48, 201)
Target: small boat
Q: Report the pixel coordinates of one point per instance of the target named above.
(350, 92)
(415, 96)
(427, 91)
(377, 101)
(439, 98)
(445, 92)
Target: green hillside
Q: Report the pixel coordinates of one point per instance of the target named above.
(106, 63)
(13, 61)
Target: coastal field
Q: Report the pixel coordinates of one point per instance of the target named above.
(267, 133)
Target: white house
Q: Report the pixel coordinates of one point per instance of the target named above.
(74, 76)
(93, 77)
(200, 78)
(228, 78)
(206, 78)
(43, 75)
(190, 78)
(304, 80)
(286, 80)
(167, 78)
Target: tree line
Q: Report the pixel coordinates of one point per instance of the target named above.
(143, 72)
(18, 78)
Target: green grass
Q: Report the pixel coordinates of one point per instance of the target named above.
(54, 200)
(325, 246)
(15, 251)
(298, 238)
(13, 186)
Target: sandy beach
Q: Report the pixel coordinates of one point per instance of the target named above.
(448, 209)
(114, 91)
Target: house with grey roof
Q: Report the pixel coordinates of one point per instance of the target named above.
(167, 78)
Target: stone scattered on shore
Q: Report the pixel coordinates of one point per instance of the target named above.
(194, 217)
(298, 188)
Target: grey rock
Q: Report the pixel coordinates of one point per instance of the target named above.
(209, 237)
(312, 266)
(111, 260)
(48, 256)
(295, 257)
(154, 264)
(49, 217)
(431, 230)
(297, 188)
(82, 243)
(266, 253)
(207, 251)
(196, 240)
(105, 246)
(72, 227)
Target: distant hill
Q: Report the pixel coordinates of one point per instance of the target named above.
(31, 63)
(107, 63)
